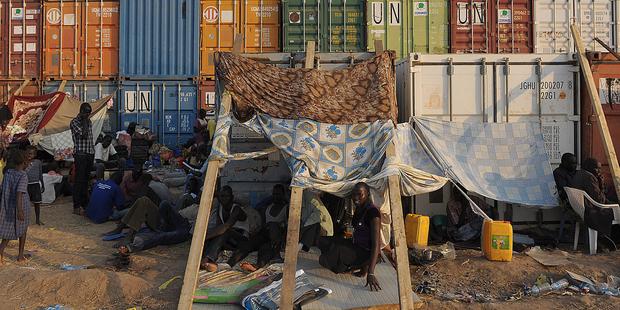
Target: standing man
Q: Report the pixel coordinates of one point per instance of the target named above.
(83, 156)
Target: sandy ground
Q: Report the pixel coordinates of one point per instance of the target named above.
(67, 238)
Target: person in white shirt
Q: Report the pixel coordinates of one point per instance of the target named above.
(106, 157)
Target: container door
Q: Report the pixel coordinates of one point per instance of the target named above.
(139, 104)
(261, 25)
(8, 87)
(597, 19)
(386, 22)
(301, 22)
(62, 35)
(101, 21)
(179, 113)
(471, 28)
(344, 25)
(206, 98)
(20, 48)
(219, 23)
(430, 26)
(514, 26)
(552, 26)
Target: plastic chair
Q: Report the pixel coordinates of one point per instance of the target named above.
(577, 202)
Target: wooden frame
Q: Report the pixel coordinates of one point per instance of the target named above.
(292, 236)
(610, 151)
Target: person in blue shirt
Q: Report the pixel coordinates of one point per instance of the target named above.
(106, 196)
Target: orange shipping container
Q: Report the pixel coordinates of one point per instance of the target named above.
(8, 88)
(257, 20)
(20, 39)
(81, 40)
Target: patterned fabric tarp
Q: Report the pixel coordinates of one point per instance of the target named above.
(361, 93)
(29, 112)
(502, 161)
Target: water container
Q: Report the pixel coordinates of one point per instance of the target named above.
(497, 240)
(416, 229)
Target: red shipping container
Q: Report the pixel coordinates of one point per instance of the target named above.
(206, 97)
(20, 39)
(606, 73)
(491, 26)
(8, 88)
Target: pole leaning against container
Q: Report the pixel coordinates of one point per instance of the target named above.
(610, 151)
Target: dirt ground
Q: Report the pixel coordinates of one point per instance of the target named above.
(70, 239)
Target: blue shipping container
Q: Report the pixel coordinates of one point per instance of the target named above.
(88, 91)
(159, 39)
(168, 108)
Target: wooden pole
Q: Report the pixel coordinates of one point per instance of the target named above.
(291, 251)
(61, 87)
(294, 217)
(398, 226)
(609, 49)
(610, 151)
(19, 90)
(198, 239)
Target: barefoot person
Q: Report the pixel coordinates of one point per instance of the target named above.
(362, 252)
(34, 170)
(14, 204)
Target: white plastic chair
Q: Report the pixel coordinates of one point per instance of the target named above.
(577, 202)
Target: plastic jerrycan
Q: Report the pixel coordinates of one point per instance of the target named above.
(416, 230)
(497, 240)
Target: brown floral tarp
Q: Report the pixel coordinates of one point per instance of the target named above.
(364, 92)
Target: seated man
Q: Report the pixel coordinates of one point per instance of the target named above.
(315, 220)
(274, 231)
(463, 223)
(362, 251)
(105, 199)
(232, 230)
(162, 191)
(565, 173)
(590, 180)
(106, 157)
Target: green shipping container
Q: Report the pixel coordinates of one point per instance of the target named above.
(335, 25)
(422, 28)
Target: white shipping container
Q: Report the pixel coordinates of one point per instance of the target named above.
(541, 88)
(595, 18)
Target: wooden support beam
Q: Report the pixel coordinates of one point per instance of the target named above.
(398, 226)
(61, 87)
(292, 250)
(21, 87)
(310, 46)
(609, 49)
(238, 44)
(378, 46)
(610, 151)
(198, 239)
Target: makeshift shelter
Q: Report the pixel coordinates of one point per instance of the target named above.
(328, 146)
(44, 120)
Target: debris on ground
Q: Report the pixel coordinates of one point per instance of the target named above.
(548, 258)
(165, 284)
(574, 283)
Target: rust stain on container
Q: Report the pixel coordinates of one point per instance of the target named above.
(606, 73)
(20, 38)
(81, 40)
(486, 26)
(257, 20)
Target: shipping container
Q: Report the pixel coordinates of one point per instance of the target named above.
(540, 88)
(258, 21)
(9, 87)
(20, 39)
(606, 73)
(159, 39)
(597, 19)
(335, 26)
(168, 108)
(408, 26)
(81, 40)
(491, 26)
(89, 91)
(206, 97)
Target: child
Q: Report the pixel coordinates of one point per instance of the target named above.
(34, 171)
(14, 204)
